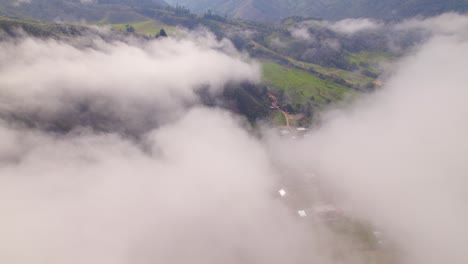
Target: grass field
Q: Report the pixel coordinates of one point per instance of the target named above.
(278, 118)
(350, 77)
(149, 27)
(302, 86)
(369, 57)
(372, 59)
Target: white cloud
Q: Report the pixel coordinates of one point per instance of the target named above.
(301, 33)
(156, 69)
(199, 188)
(399, 156)
(447, 24)
(352, 26)
(118, 79)
(194, 189)
(201, 196)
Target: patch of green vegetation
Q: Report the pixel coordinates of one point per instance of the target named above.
(302, 87)
(245, 103)
(148, 27)
(278, 118)
(39, 29)
(352, 78)
(369, 60)
(369, 57)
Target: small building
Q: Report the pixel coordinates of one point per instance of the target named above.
(302, 213)
(282, 192)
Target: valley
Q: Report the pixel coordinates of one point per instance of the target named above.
(221, 131)
(275, 10)
(304, 84)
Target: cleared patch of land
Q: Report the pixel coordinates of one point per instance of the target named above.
(301, 86)
(148, 27)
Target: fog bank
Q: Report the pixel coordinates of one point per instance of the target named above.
(398, 157)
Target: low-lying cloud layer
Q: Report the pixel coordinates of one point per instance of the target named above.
(352, 26)
(398, 158)
(129, 82)
(449, 23)
(398, 37)
(197, 186)
(195, 197)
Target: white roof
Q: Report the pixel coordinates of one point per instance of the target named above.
(302, 213)
(301, 129)
(282, 192)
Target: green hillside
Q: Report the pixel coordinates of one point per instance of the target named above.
(147, 27)
(302, 87)
(39, 29)
(113, 11)
(270, 10)
(304, 84)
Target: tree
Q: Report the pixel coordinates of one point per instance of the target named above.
(130, 28)
(162, 33)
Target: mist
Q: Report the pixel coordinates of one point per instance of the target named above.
(353, 26)
(398, 157)
(129, 85)
(194, 187)
(197, 185)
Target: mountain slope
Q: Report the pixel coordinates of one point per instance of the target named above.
(9, 28)
(302, 84)
(76, 10)
(327, 9)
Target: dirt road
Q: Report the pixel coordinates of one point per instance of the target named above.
(274, 104)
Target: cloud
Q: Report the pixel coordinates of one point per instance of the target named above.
(445, 24)
(197, 197)
(352, 26)
(398, 156)
(301, 33)
(398, 38)
(196, 188)
(123, 81)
